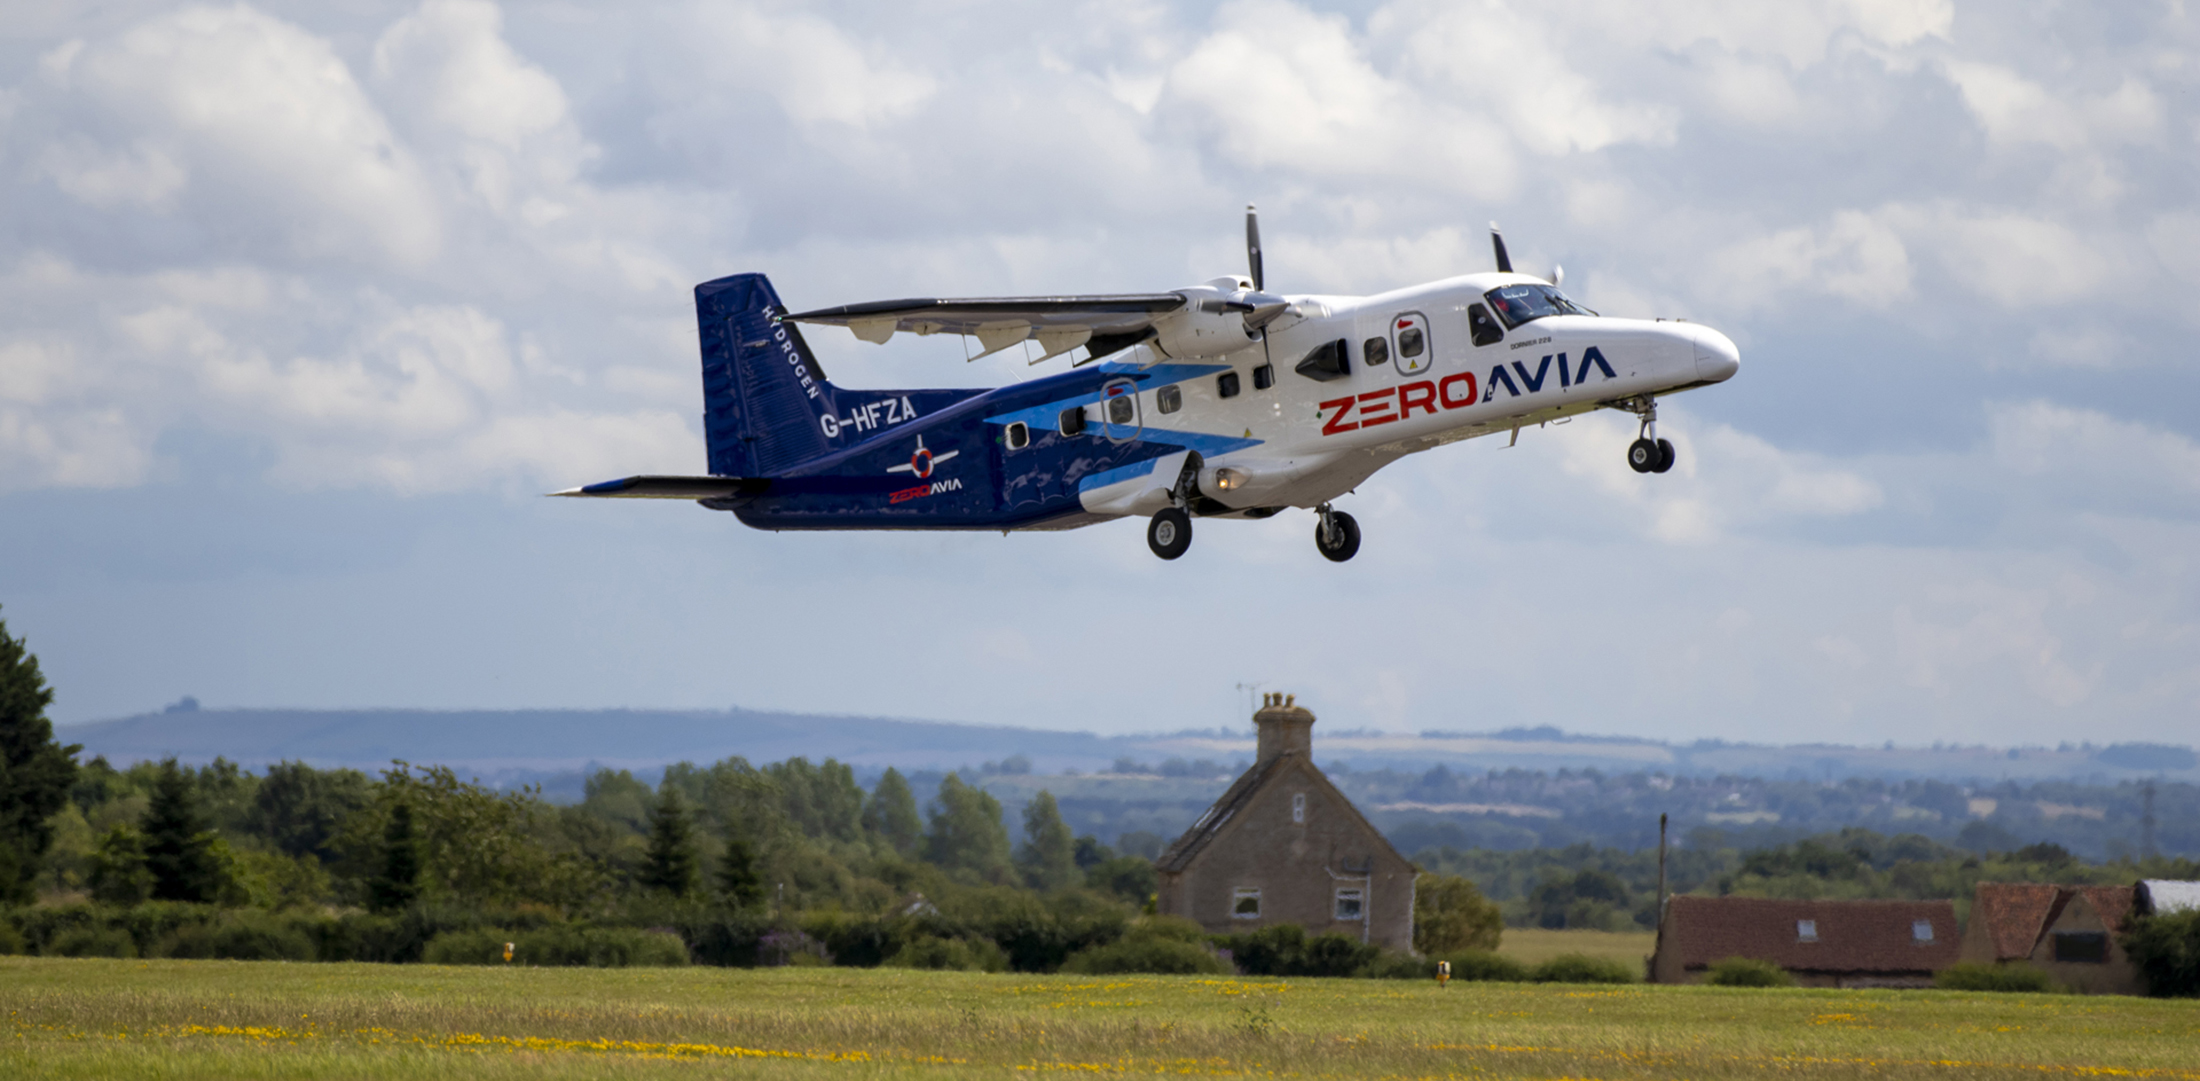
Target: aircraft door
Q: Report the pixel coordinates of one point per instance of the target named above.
(1120, 417)
(1410, 344)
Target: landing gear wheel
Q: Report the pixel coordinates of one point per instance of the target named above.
(1169, 534)
(1337, 535)
(1643, 456)
(1665, 457)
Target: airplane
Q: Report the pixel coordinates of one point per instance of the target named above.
(1218, 400)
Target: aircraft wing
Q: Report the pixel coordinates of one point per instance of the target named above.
(662, 487)
(1106, 323)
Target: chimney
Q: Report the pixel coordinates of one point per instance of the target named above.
(1284, 726)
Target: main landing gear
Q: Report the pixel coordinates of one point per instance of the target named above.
(1336, 534)
(1648, 453)
(1169, 534)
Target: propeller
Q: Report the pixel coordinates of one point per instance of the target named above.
(1497, 241)
(1252, 246)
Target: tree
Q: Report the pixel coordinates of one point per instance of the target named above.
(670, 866)
(35, 772)
(179, 849)
(1048, 857)
(299, 809)
(2165, 947)
(966, 833)
(1450, 915)
(397, 882)
(737, 877)
(118, 875)
(891, 814)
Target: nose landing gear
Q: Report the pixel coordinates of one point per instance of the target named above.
(1336, 534)
(1648, 453)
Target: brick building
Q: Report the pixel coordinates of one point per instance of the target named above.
(1820, 943)
(1283, 845)
(2069, 932)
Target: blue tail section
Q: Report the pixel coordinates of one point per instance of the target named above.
(765, 400)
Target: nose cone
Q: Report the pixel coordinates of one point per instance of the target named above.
(1716, 357)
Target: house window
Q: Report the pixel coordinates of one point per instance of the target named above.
(1806, 930)
(1245, 905)
(1921, 931)
(2081, 947)
(1298, 807)
(1348, 902)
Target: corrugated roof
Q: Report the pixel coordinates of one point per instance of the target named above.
(2164, 895)
(2014, 914)
(1852, 936)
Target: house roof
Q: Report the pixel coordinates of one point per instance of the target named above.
(2163, 895)
(1852, 936)
(2013, 914)
(1240, 795)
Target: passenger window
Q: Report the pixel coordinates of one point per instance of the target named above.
(1375, 351)
(1485, 329)
(1019, 436)
(1073, 421)
(1264, 377)
(1226, 384)
(1120, 410)
(1168, 399)
(1410, 331)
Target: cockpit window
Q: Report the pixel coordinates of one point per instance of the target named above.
(1517, 304)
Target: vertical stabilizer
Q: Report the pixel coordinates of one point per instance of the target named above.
(765, 399)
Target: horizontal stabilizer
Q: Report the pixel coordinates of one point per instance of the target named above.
(653, 487)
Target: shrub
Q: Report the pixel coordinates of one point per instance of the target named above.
(1450, 914)
(96, 941)
(243, 937)
(1398, 966)
(967, 955)
(1486, 965)
(2166, 950)
(1748, 972)
(11, 940)
(1285, 950)
(1581, 968)
(1164, 944)
(591, 947)
(1972, 976)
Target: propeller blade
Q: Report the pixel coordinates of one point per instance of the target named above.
(1252, 246)
(1558, 274)
(1497, 241)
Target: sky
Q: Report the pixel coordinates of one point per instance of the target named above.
(303, 307)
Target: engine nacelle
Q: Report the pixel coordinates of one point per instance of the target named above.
(1203, 328)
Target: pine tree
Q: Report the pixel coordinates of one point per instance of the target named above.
(35, 771)
(178, 847)
(398, 882)
(670, 866)
(118, 875)
(891, 814)
(967, 834)
(1048, 857)
(737, 876)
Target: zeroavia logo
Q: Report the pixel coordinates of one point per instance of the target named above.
(1453, 392)
(951, 484)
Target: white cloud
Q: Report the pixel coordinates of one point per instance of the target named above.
(1853, 256)
(815, 71)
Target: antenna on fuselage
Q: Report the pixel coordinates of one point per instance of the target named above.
(1497, 241)
(1252, 246)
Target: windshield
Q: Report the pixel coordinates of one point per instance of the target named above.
(1517, 304)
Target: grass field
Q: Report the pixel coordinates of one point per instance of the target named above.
(1532, 946)
(183, 1019)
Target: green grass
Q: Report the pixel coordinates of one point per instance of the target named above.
(181, 1019)
(1533, 945)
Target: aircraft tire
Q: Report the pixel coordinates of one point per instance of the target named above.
(1344, 540)
(1169, 533)
(1665, 457)
(1643, 456)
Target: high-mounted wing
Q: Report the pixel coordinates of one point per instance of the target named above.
(1060, 324)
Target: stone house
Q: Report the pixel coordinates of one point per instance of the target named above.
(2069, 932)
(1283, 845)
(1820, 943)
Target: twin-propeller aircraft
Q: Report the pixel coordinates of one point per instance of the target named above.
(1219, 400)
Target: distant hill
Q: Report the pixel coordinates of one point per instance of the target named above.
(539, 743)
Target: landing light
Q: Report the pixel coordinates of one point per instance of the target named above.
(1228, 479)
